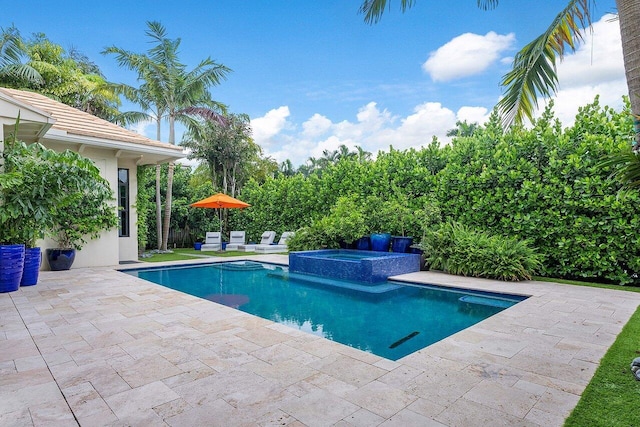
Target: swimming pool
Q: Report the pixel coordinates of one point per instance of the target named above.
(390, 319)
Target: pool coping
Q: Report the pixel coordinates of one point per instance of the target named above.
(95, 346)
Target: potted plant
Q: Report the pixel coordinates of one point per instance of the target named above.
(83, 213)
(25, 177)
(377, 219)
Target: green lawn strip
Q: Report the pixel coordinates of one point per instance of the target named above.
(590, 284)
(611, 398)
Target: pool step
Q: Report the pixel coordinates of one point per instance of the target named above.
(239, 266)
(493, 302)
(378, 288)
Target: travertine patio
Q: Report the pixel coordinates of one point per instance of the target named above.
(99, 347)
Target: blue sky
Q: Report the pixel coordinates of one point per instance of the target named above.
(312, 75)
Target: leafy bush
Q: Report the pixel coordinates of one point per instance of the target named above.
(346, 220)
(546, 185)
(461, 250)
(316, 236)
(62, 192)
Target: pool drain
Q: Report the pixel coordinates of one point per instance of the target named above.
(403, 340)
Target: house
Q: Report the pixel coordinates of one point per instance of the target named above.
(115, 151)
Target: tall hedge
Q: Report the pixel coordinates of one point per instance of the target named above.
(545, 184)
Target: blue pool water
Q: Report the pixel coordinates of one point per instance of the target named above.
(390, 319)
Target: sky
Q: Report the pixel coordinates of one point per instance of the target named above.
(312, 75)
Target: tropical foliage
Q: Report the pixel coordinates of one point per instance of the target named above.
(168, 91)
(12, 53)
(461, 250)
(68, 77)
(60, 192)
(227, 149)
(84, 209)
(546, 185)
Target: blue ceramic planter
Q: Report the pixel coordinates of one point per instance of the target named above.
(32, 261)
(363, 244)
(401, 244)
(11, 267)
(380, 242)
(60, 259)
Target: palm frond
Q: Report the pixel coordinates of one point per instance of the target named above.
(625, 167)
(373, 9)
(534, 67)
(487, 4)
(131, 117)
(204, 113)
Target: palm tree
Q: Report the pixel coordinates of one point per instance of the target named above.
(12, 50)
(286, 168)
(534, 67)
(463, 128)
(172, 93)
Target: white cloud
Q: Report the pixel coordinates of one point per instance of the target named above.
(266, 127)
(466, 55)
(473, 114)
(317, 125)
(596, 68)
(373, 130)
(146, 128)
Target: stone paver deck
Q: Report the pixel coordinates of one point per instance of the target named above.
(99, 347)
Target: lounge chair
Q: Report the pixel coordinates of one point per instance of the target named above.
(266, 239)
(212, 241)
(280, 247)
(236, 238)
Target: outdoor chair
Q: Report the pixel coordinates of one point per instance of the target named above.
(280, 247)
(266, 239)
(212, 241)
(236, 238)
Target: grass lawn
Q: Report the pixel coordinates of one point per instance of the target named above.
(612, 396)
(190, 253)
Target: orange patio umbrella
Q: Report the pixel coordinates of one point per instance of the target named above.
(220, 201)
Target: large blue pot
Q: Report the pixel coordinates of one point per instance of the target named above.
(60, 259)
(401, 244)
(363, 244)
(32, 261)
(11, 267)
(380, 242)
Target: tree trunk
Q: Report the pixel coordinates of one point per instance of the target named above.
(629, 17)
(158, 208)
(158, 196)
(167, 200)
(167, 208)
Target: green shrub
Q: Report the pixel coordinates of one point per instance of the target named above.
(461, 250)
(316, 236)
(545, 184)
(346, 220)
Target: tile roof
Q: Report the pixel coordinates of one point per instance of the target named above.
(76, 122)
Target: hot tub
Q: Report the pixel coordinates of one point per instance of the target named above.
(360, 266)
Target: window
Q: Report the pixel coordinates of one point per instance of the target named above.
(123, 202)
